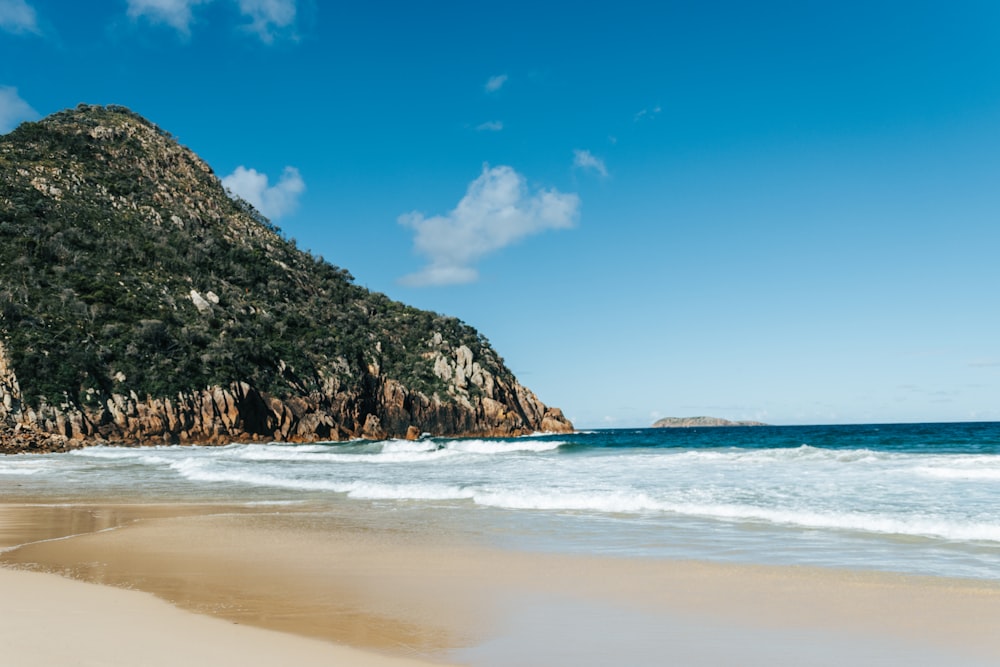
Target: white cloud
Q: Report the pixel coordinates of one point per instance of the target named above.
(497, 210)
(268, 16)
(587, 160)
(495, 83)
(491, 126)
(273, 201)
(175, 13)
(648, 113)
(13, 109)
(17, 16)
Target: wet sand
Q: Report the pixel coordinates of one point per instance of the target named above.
(423, 594)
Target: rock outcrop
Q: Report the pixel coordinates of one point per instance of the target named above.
(139, 304)
(695, 422)
(240, 413)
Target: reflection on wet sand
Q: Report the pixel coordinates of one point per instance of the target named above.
(423, 589)
(241, 563)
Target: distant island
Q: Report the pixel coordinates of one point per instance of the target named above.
(693, 422)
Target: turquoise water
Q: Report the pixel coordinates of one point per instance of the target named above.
(920, 498)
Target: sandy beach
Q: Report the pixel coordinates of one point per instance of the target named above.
(399, 594)
(51, 620)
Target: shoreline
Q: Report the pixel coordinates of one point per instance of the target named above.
(419, 593)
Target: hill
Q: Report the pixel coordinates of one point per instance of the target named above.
(141, 304)
(693, 422)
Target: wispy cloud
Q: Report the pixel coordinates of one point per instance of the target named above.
(495, 83)
(268, 17)
(586, 160)
(17, 16)
(647, 113)
(175, 13)
(274, 201)
(985, 363)
(498, 209)
(13, 110)
(490, 126)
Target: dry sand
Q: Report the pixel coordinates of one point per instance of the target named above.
(48, 620)
(422, 595)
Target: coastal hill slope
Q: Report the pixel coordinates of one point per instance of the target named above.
(141, 304)
(694, 422)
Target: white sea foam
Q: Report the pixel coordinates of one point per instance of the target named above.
(741, 486)
(623, 502)
(291, 455)
(280, 448)
(22, 468)
(113, 453)
(391, 451)
(804, 453)
(979, 474)
(849, 521)
(373, 491)
(142, 455)
(639, 502)
(792, 490)
(502, 446)
(103, 452)
(396, 446)
(202, 471)
(870, 504)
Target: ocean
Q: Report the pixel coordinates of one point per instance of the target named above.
(909, 498)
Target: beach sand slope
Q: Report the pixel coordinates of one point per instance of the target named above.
(50, 620)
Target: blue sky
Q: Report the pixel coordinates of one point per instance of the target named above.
(785, 211)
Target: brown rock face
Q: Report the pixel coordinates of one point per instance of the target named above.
(240, 413)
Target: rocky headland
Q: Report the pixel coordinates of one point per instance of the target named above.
(140, 303)
(695, 422)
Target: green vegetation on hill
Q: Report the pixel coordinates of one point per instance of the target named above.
(125, 267)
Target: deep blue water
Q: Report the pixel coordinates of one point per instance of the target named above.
(932, 438)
